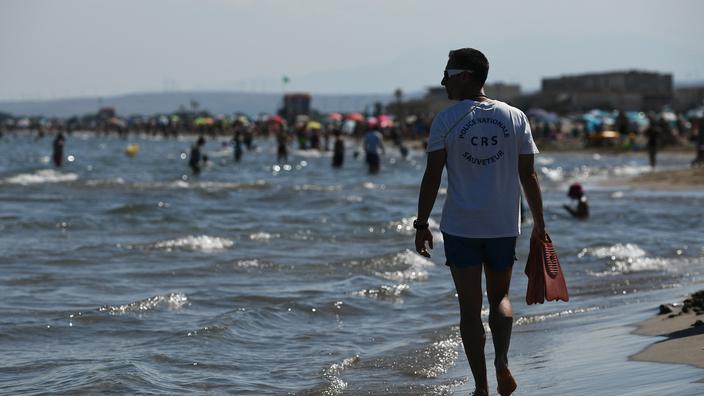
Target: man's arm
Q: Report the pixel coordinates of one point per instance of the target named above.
(570, 210)
(426, 199)
(531, 189)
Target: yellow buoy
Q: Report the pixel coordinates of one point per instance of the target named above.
(132, 150)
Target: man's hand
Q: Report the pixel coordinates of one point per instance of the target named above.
(538, 232)
(421, 237)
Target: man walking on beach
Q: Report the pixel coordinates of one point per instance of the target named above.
(488, 150)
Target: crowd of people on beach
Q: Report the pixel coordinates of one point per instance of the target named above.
(601, 130)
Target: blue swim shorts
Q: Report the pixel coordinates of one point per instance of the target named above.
(497, 253)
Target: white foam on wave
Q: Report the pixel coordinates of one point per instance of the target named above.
(640, 264)
(554, 174)
(254, 263)
(41, 176)
(544, 160)
(201, 242)
(443, 354)
(526, 320)
(170, 301)
(262, 236)
(625, 258)
(416, 267)
(630, 170)
(392, 291)
(373, 186)
(218, 186)
(106, 183)
(317, 188)
(309, 153)
(619, 250)
(331, 374)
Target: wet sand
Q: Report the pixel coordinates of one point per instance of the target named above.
(692, 178)
(683, 327)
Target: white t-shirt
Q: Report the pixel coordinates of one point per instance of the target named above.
(483, 193)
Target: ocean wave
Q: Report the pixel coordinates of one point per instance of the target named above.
(170, 301)
(619, 250)
(544, 160)
(373, 186)
(208, 331)
(630, 170)
(625, 258)
(629, 265)
(41, 177)
(335, 385)
(384, 291)
(317, 188)
(430, 361)
(526, 320)
(201, 242)
(404, 266)
(554, 174)
(262, 236)
(210, 186)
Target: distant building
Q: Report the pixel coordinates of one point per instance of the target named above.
(687, 98)
(627, 90)
(437, 100)
(295, 104)
(504, 92)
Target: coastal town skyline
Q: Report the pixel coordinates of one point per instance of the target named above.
(84, 49)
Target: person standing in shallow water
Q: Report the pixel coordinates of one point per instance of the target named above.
(488, 150)
(58, 149)
(338, 154)
(373, 147)
(653, 132)
(196, 157)
(237, 147)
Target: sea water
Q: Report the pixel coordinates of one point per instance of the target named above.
(129, 275)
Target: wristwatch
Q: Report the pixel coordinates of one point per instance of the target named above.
(420, 226)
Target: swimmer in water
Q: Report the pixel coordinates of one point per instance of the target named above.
(582, 209)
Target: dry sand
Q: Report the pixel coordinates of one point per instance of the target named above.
(685, 340)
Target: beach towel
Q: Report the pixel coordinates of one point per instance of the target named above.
(545, 278)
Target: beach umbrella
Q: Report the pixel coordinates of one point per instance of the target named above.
(354, 116)
(313, 125)
(385, 121)
(335, 116)
(200, 121)
(372, 121)
(276, 119)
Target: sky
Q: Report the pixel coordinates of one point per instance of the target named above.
(77, 48)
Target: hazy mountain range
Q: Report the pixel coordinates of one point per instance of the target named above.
(166, 102)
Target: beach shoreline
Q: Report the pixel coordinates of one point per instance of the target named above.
(682, 327)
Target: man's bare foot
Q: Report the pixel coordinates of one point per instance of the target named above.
(506, 382)
(480, 392)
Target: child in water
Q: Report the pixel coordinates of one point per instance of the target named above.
(582, 209)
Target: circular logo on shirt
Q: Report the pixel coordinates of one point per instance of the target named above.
(481, 139)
